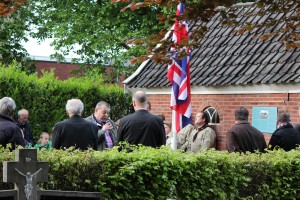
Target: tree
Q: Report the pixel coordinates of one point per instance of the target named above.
(95, 30)
(14, 24)
(9, 6)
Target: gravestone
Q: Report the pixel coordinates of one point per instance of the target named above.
(25, 172)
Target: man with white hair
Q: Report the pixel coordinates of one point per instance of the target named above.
(75, 131)
(9, 131)
(23, 123)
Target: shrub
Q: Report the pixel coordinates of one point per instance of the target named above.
(46, 97)
(148, 173)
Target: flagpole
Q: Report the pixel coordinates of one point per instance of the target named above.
(174, 133)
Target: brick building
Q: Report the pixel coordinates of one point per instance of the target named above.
(230, 70)
(64, 70)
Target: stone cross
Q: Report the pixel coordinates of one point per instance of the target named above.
(25, 172)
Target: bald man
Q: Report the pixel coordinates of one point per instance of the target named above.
(142, 127)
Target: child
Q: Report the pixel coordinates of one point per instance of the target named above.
(43, 142)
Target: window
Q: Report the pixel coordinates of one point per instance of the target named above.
(213, 115)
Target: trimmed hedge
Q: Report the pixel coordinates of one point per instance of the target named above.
(46, 97)
(148, 173)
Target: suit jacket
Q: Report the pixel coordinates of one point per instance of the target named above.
(243, 137)
(285, 137)
(141, 127)
(10, 132)
(101, 133)
(75, 131)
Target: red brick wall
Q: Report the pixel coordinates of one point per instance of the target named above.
(61, 70)
(226, 105)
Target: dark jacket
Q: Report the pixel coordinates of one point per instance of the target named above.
(10, 132)
(141, 127)
(285, 137)
(26, 131)
(76, 132)
(243, 137)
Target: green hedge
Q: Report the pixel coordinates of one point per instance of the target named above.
(46, 97)
(148, 173)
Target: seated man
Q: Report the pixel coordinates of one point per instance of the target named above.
(198, 137)
(75, 131)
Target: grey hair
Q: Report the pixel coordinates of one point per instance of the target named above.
(102, 103)
(21, 112)
(7, 106)
(284, 116)
(241, 113)
(74, 106)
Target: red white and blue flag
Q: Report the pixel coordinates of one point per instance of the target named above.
(179, 75)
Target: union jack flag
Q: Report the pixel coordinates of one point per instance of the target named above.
(179, 75)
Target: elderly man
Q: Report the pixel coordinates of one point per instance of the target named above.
(198, 137)
(22, 121)
(285, 136)
(75, 131)
(107, 134)
(243, 137)
(142, 127)
(9, 130)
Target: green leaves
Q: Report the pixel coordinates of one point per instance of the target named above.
(46, 97)
(148, 173)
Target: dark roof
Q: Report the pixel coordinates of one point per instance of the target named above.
(226, 58)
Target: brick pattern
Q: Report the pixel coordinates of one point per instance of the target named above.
(226, 105)
(63, 71)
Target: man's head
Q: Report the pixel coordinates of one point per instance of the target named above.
(102, 111)
(139, 100)
(201, 119)
(283, 116)
(168, 127)
(74, 107)
(241, 114)
(7, 106)
(23, 115)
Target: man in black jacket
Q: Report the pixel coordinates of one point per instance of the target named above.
(9, 130)
(23, 123)
(285, 136)
(142, 127)
(75, 131)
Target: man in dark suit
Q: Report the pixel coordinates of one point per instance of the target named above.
(141, 127)
(75, 131)
(285, 136)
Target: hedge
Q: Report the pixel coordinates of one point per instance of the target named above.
(148, 173)
(45, 97)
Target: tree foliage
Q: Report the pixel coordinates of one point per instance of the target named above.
(14, 26)
(95, 30)
(9, 6)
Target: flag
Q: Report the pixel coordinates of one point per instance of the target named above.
(179, 75)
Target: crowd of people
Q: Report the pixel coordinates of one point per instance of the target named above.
(99, 132)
